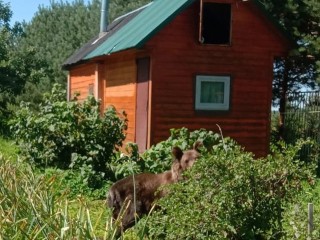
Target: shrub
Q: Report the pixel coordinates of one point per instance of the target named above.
(295, 216)
(158, 158)
(70, 135)
(230, 195)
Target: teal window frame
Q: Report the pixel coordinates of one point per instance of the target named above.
(217, 99)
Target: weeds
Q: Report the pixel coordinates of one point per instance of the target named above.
(8, 148)
(31, 208)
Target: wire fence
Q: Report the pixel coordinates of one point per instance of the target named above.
(302, 120)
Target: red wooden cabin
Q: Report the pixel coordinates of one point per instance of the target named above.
(186, 63)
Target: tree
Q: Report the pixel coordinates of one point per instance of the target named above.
(300, 18)
(5, 32)
(10, 83)
(120, 7)
(31, 54)
(57, 31)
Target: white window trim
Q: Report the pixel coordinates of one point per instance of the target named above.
(213, 106)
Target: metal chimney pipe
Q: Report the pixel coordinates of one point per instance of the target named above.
(104, 16)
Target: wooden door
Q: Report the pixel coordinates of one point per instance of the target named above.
(143, 73)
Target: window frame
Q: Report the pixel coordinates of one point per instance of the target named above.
(225, 106)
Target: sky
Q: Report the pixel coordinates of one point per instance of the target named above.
(25, 9)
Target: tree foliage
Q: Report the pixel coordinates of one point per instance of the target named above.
(56, 31)
(32, 53)
(301, 20)
(11, 79)
(120, 7)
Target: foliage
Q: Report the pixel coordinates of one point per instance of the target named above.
(70, 135)
(56, 31)
(120, 7)
(230, 195)
(296, 213)
(158, 158)
(226, 195)
(301, 20)
(32, 53)
(123, 164)
(8, 148)
(302, 121)
(72, 183)
(16, 67)
(32, 208)
(9, 83)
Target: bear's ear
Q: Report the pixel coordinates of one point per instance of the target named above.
(197, 145)
(177, 153)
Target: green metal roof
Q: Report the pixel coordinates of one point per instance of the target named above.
(134, 29)
(142, 27)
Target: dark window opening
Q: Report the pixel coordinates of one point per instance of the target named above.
(216, 23)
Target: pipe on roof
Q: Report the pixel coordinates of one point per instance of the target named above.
(104, 16)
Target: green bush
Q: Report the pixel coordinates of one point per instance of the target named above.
(5, 113)
(158, 158)
(295, 216)
(72, 135)
(230, 195)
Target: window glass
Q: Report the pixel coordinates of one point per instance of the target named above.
(212, 92)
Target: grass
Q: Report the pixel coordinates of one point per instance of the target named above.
(36, 206)
(8, 148)
(32, 208)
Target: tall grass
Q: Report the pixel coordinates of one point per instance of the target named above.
(32, 208)
(35, 205)
(8, 148)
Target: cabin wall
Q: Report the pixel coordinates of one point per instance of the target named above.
(120, 88)
(177, 57)
(81, 79)
(116, 85)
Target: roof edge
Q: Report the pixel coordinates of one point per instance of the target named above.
(159, 27)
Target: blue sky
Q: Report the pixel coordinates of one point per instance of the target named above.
(25, 9)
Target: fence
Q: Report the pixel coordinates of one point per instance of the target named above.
(302, 120)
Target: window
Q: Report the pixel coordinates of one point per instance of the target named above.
(212, 93)
(215, 23)
(90, 89)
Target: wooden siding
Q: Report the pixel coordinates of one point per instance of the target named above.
(120, 90)
(80, 78)
(177, 57)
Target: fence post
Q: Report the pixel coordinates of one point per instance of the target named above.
(310, 219)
